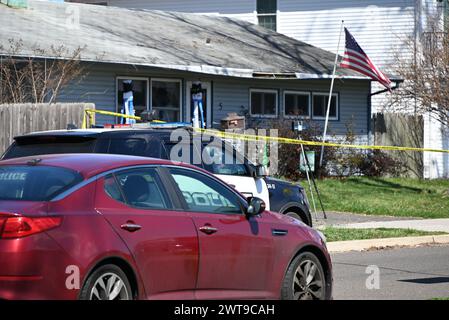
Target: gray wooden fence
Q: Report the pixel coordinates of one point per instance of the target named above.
(17, 119)
(403, 130)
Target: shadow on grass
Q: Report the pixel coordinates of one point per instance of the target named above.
(381, 183)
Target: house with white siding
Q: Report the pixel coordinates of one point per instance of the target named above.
(379, 26)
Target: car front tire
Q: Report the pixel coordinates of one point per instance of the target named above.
(108, 282)
(304, 279)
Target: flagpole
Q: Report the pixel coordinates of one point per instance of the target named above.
(330, 95)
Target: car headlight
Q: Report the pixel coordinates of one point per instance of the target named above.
(322, 236)
(302, 191)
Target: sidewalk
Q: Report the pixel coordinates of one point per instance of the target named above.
(360, 221)
(422, 224)
(344, 218)
(370, 244)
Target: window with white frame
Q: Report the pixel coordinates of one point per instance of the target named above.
(263, 103)
(139, 88)
(267, 14)
(166, 99)
(319, 106)
(296, 104)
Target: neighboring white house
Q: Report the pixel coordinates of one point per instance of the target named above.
(379, 26)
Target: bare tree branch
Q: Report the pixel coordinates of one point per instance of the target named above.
(426, 73)
(36, 79)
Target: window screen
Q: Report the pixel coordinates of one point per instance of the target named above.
(319, 106)
(297, 104)
(263, 103)
(267, 14)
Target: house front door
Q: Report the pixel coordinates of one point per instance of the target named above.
(206, 89)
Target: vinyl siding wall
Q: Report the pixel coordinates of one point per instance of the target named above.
(241, 9)
(228, 94)
(377, 25)
(231, 95)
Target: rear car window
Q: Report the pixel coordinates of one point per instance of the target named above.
(41, 146)
(139, 188)
(137, 147)
(128, 146)
(35, 183)
(184, 152)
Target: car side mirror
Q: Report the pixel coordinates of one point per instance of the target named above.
(255, 206)
(261, 171)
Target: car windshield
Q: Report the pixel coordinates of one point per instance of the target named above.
(35, 183)
(217, 159)
(222, 160)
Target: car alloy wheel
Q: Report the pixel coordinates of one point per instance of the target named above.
(109, 287)
(305, 279)
(108, 282)
(308, 282)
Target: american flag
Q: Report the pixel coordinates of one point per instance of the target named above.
(356, 59)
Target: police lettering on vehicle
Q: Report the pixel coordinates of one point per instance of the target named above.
(206, 199)
(13, 176)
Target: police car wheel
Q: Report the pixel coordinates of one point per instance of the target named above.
(296, 216)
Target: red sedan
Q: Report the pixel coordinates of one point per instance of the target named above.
(118, 227)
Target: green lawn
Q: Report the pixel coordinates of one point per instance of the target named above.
(386, 196)
(344, 234)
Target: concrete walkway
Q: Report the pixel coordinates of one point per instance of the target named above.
(361, 221)
(371, 244)
(343, 218)
(422, 224)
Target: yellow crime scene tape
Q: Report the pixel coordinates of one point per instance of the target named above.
(89, 116)
(248, 137)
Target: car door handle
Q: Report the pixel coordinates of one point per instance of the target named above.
(207, 229)
(279, 232)
(131, 227)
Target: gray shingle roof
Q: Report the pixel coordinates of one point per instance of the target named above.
(200, 43)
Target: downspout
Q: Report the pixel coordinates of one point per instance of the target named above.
(370, 115)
